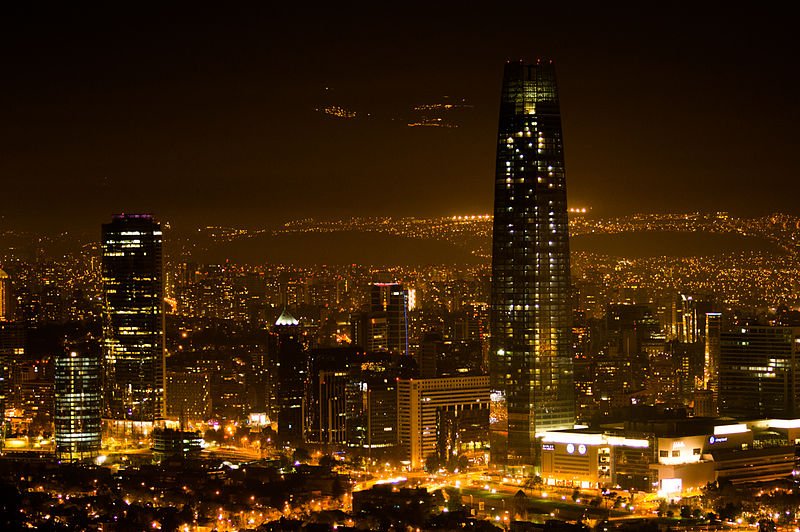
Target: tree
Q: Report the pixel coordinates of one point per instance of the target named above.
(216, 436)
(338, 488)
(327, 461)
(301, 455)
(520, 505)
(432, 463)
(454, 503)
(609, 497)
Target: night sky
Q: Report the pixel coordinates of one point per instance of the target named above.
(209, 116)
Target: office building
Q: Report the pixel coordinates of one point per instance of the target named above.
(370, 331)
(443, 417)
(292, 372)
(431, 351)
(371, 400)
(169, 443)
(31, 394)
(6, 309)
(758, 372)
(712, 355)
(78, 402)
(189, 396)
(133, 322)
(326, 391)
(12, 350)
(530, 323)
(391, 300)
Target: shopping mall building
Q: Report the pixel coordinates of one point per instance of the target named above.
(671, 457)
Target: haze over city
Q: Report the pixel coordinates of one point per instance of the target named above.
(209, 117)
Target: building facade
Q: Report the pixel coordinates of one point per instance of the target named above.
(326, 395)
(133, 321)
(530, 323)
(673, 456)
(189, 396)
(442, 417)
(6, 311)
(371, 400)
(78, 403)
(292, 373)
(392, 299)
(758, 372)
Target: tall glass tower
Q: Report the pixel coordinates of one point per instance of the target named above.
(530, 358)
(392, 299)
(78, 403)
(133, 321)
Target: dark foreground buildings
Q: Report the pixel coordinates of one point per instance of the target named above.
(530, 361)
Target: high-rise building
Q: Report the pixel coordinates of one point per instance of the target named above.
(392, 299)
(371, 400)
(370, 331)
(292, 373)
(384, 326)
(31, 393)
(78, 403)
(530, 323)
(189, 395)
(712, 347)
(326, 392)
(758, 372)
(12, 350)
(133, 321)
(442, 417)
(6, 313)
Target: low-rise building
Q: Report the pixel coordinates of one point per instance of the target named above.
(671, 457)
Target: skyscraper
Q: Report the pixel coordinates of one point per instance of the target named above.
(5, 297)
(392, 299)
(758, 372)
(133, 321)
(12, 349)
(385, 326)
(78, 402)
(711, 367)
(530, 359)
(292, 373)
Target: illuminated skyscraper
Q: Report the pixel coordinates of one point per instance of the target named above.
(531, 362)
(78, 402)
(392, 299)
(133, 321)
(12, 349)
(292, 373)
(712, 347)
(758, 372)
(5, 297)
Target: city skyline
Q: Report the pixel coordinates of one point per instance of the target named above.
(302, 315)
(219, 111)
